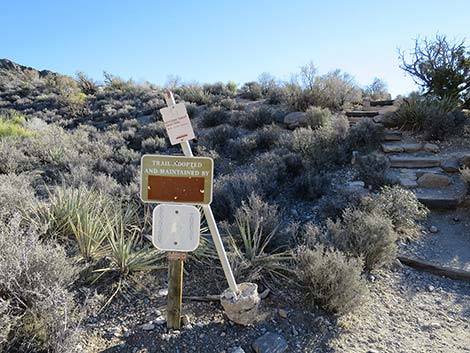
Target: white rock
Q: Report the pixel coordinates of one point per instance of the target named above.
(147, 327)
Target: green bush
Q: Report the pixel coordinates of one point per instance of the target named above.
(214, 117)
(437, 117)
(38, 308)
(257, 118)
(367, 234)
(365, 136)
(13, 125)
(373, 169)
(402, 207)
(252, 91)
(325, 145)
(317, 117)
(193, 94)
(331, 279)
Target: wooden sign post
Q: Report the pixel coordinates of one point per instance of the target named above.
(175, 181)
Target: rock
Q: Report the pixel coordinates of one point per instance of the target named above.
(407, 182)
(465, 161)
(449, 197)
(282, 313)
(406, 161)
(295, 119)
(385, 120)
(236, 350)
(185, 320)
(431, 288)
(434, 325)
(433, 229)
(242, 308)
(450, 165)
(270, 343)
(431, 147)
(401, 147)
(159, 320)
(147, 327)
(163, 292)
(456, 219)
(431, 180)
(392, 135)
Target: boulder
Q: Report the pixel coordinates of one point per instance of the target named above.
(295, 119)
(385, 120)
(270, 343)
(431, 147)
(431, 180)
(450, 165)
(242, 307)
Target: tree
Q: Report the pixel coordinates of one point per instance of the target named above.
(377, 90)
(440, 67)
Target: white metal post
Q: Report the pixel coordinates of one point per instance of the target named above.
(170, 100)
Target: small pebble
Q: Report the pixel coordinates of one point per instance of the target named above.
(433, 229)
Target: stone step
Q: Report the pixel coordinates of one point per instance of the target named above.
(409, 147)
(408, 161)
(382, 103)
(392, 135)
(448, 197)
(361, 113)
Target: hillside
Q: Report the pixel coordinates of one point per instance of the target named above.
(326, 178)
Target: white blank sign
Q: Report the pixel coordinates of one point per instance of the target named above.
(176, 227)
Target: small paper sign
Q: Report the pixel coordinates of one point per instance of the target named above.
(177, 123)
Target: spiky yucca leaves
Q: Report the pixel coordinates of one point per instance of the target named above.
(126, 251)
(249, 256)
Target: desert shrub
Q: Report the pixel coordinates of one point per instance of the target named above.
(220, 89)
(86, 84)
(437, 117)
(268, 137)
(465, 175)
(230, 191)
(193, 93)
(365, 136)
(13, 125)
(249, 244)
(275, 168)
(401, 206)
(331, 279)
(257, 118)
(252, 91)
(373, 169)
(34, 280)
(214, 117)
(12, 157)
(377, 90)
(335, 89)
(16, 192)
(218, 137)
(440, 67)
(369, 234)
(317, 117)
(258, 212)
(154, 144)
(334, 203)
(311, 185)
(323, 146)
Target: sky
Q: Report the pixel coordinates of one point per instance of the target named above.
(209, 41)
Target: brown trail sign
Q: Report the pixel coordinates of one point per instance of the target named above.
(180, 180)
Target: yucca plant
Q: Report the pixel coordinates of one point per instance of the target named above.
(90, 232)
(126, 252)
(249, 254)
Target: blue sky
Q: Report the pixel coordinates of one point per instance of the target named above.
(210, 41)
